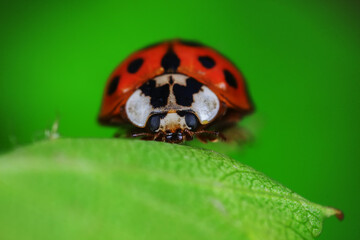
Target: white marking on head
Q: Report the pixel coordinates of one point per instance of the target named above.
(172, 122)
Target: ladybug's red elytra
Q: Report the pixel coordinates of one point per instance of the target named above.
(175, 90)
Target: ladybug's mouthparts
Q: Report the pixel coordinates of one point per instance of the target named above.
(171, 137)
(175, 137)
(181, 135)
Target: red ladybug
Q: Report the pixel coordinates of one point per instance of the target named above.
(175, 90)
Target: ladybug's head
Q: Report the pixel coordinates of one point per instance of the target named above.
(173, 127)
(168, 128)
(173, 122)
(170, 106)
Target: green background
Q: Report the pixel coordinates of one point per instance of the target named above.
(301, 60)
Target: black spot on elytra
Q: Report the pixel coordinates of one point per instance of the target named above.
(191, 43)
(207, 61)
(230, 79)
(170, 61)
(135, 65)
(113, 85)
(158, 95)
(184, 94)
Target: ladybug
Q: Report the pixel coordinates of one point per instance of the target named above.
(175, 90)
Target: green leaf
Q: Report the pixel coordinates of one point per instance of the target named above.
(129, 189)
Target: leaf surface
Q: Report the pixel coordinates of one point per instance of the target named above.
(129, 189)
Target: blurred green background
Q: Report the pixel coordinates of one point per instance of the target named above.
(301, 60)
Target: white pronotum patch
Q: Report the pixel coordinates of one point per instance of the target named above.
(138, 108)
(205, 105)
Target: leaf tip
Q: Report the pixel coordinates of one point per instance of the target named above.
(339, 214)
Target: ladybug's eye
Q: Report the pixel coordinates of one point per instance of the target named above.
(154, 123)
(192, 121)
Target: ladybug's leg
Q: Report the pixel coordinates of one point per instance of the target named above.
(202, 138)
(211, 136)
(124, 131)
(159, 136)
(121, 134)
(145, 135)
(228, 125)
(189, 135)
(238, 134)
